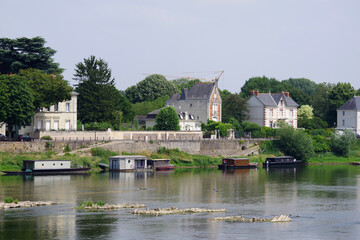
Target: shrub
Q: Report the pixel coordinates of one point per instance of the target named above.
(100, 152)
(9, 200)
(16, 201)
(48, 145)
(88, 203)
(151, 141)
(46, 138)
(321, 144)
(100, 203)
(341, 143)
(67, 148)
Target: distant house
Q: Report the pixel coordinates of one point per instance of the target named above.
(203, 100)
(187, 122)
(127, 163)
(61, 116)
(348, 116)
(267, 109)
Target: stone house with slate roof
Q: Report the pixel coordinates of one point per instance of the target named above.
(187, 122)
(348, 116)
(203, 100)
(266, 109)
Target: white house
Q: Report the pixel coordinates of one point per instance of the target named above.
(348, 116)
(266, 109)
(61, 116)
(188, 121)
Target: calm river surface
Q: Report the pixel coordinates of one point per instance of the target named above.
(324, 202)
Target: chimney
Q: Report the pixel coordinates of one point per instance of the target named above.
(282, 92)
(257, 93)
(252, 92)
(287, 94)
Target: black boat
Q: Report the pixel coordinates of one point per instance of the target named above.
(284, 161)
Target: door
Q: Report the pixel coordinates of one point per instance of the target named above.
(47, 126)
(56, 125)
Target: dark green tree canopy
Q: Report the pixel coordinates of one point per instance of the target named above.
(16, 101)
(99, 100)
(151, 88)
(47, 89)
(167, 119)
(184, 83)
(305, 85)
(234, 106)
(23, 53)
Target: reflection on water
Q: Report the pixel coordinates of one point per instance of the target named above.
(326, 199)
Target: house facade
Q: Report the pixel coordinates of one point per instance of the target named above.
(187, 121)
(348, 116)
(59, 117)
(203, 100)
(267, 109)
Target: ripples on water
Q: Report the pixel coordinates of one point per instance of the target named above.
(324, 202)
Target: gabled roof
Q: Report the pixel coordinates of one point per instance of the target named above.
(200, 91)
(273, 99)
(179, 111)
(352, 104)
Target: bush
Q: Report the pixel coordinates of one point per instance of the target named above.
(295, 143)
(100, 203)
(321, 144)
(100, 152)
(46, 138)
(9, 200)
(48, 145)
(16, 201)
(341, 143)
(67, 148)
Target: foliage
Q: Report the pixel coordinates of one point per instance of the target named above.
(46, 138)
(269, 147)
(235, 124)
(303, 84)
(88, 203)
(99, 100)
(319, 100)
(102, 126)
(23, 53)
(48, 145)
(100, 203)
(184, 83)
(234, 106)
(295, 143)
(67, 148)
(314, 123)
(305, 112)
(16, 108)
(103, 153)
(167, 119)
(143, 108)
(341, 143)
(321, 143)
(47, 89)
(151, 88)
(9, 200)
(222, 128)
(338, 95)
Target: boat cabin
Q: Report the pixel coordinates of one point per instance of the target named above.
(45, 164)
(235, 162)
(283, 161)
(160, 164)
(127, 162)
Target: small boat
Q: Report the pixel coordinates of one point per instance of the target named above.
(233, 163)
(284, 161)
(160, 164)
(47, 167)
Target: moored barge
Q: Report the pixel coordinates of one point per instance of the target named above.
(284, 161)
(235, 163)
(160, 164)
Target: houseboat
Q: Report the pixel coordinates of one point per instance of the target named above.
(127, 163)
(160, 164)
(47, 167)
(284, 161)
(233, 163)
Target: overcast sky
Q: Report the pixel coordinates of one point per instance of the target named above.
(315, 39)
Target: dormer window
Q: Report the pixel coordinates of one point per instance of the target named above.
(281, 102)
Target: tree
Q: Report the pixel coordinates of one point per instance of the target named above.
(295, 143)
(47, 89)
(341, 143)
(234, 106)
(338, 95)
(185, 83)
(167, 119)
(305, 112)
(99, 100)
(319, 100)
(303, 84)
(151, 88)
(23, 53)
(16, 101)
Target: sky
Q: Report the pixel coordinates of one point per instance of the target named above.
(314, 39)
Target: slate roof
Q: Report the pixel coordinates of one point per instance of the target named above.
(200, 91)
(153, 114)
(273, 99)
(352, 104)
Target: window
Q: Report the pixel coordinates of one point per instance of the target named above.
(343, 113)
(281, 103)
(67, 125)
(281, 113)
(291, 112)
(67, 107)
(48, 109)
(271, 112)
(47, 125)
(190, 104)
(215, 96)
(56, 125)
(271, 124)
(56, 107)
(343, 122)
(39, 124)
(215, 108)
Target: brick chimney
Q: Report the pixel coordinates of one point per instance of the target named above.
(287, 94)
(252, 92)
(257, 93)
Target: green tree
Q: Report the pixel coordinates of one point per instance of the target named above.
(319, 100)
(341, 143)
(338, 95)
(184, 83)
(151, 88)
(295, 143)
(303, 84)
(234, 106)
(167, 119)
(23, 53)
(143, 108)
(222, 128)
(16, 101)
(47, 89)
(99, 100)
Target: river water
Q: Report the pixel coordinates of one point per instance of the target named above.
(324, 202)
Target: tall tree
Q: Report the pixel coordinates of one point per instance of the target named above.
(16, 101)
(184, 83)
(234, 106)
(338, 95)
(47, 89)
(99, 100)
(319, 100)
(305, 85)
(151, 88)
(167, 119)
(23, 53)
